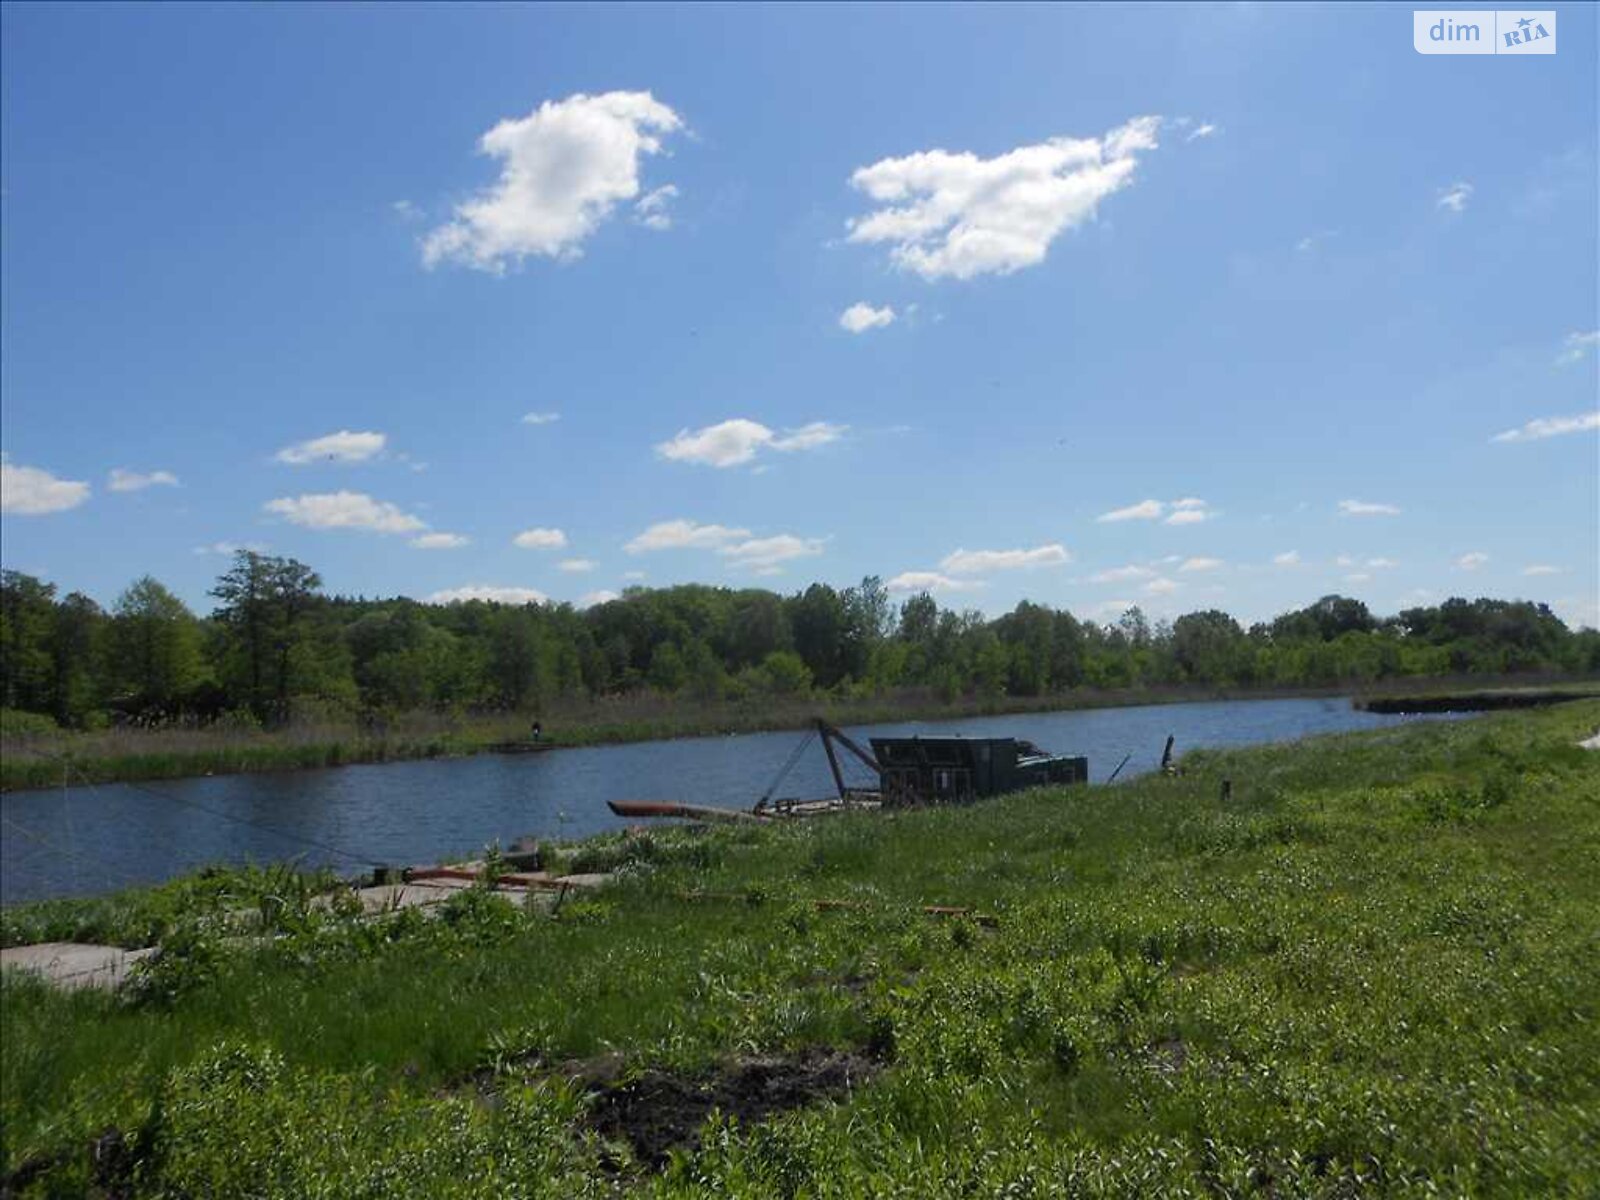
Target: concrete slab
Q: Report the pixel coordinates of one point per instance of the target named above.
(75, 964)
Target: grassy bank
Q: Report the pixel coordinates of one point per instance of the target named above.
(39, 760)
(1372, 970)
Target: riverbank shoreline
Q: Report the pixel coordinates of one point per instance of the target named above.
(131, 756)
(1306, 941)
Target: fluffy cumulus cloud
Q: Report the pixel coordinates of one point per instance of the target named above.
(957, 215)
(1200, 564)
(1472, 560)
(229, 549)
(861, 316)
(766, 556)
(1578, 345)
(739, 547)
(1548, 427)
(440, 541)
(1162, 586)
(540, 539)
(341, 447)
(32, 491)
(684, 535)
(541, 418)
(738, 441)
(575, 566)
(1187, 511)
(1364, 508)
(489, 592)
(600, 596)
(1289, 558)
(564, 168)
(1541, 569)
(124, 480)
(345, 510)
(1121, 574)
(977, 562)
(931, 581)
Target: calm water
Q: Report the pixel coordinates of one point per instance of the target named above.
(87, 840)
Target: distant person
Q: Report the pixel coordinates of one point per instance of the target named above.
(538, 730)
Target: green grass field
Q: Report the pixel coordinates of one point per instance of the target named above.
(1374, 970)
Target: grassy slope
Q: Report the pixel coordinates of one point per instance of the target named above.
(1374, 970)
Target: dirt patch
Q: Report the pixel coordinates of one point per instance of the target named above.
(658, 1112)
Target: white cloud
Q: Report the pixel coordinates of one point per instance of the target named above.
(563, 169)
(1187, 511)
(976, 562)
(1541, 569)
(635, 575)
(765, 556)
(1455, 196)
(737, 441)
(1344, 560)
(1361, 508)
(1145, 510)
(1162, 586)
(1200, 564)
(684, 535)
(229, 549)
(809, 437)
(576, 565)
(540, 539)
(123, 480)
(31, 491)
(1121, 574)
(1289, 558)
(861, 316)
(1545, 427)
(405, 210)
(440, 541)
(932, 581)
(602, 596)
(341, 447)
(540, 418)
(1201, 131)
(1381, 563)
(1358, 577)
(1472, 560)
(345, 510)
(484, 591)
(958, 215)
(1578, 345)
(651, 210)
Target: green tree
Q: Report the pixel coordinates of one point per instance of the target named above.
(265, 606)
(154, 645)
(27, 619)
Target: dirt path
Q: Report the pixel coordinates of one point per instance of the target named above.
(75, 964)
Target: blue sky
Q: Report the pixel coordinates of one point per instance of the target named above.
(1261, 279)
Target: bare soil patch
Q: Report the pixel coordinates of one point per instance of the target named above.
(659, 1111)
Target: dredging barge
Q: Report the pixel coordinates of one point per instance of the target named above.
(908, 772)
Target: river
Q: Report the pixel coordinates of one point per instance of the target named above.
(89, 840)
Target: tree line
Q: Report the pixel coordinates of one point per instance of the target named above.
(276, 647)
